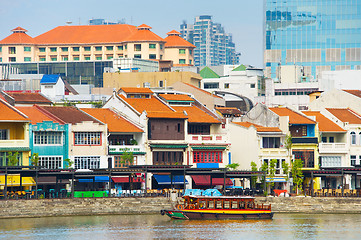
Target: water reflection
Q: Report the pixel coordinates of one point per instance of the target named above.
(283, 226)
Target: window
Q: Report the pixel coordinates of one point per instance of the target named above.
(1, 49)
(109, 57)
(87, 49)
(86, 57)
(359, 137)
(120, 48)
(64, 58)
(109, 48)
(331, 139)
(211, 85)
(126, 47)
(1, 59)
(27, 59)
(12, 50)
(48, 138)
(207, 157)
(152, 56)
(27, 49)
(4, 134)
(51, 162)
(353, 138)
(226, 85)
(190, 51)
(98, 57)
(137, 56)
(190, 61)
(88, 162)
(182, 61)
(42, 49)
(253, 85)
(324, 139)
(161, 83)
(270, 142)
(151, 46)
(53, 58)
(119, 163)
(4, 160)
(87, 138)
(161, 46)
(12, 59)
(76, 49)
(167, 158)
(353, 160)
(98, 48)
(76, 58)
(307, 157)
(137, 47)
(53, 49)
(64, 49)
(42, 59)
(199, 129)
(182, 51)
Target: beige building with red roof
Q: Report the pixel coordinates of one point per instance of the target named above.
(178, 49)
(89, 43)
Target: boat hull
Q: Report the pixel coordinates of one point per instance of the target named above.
(217, 214)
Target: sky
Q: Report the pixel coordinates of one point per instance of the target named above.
(242, 18)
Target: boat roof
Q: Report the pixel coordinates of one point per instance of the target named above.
(220, 197)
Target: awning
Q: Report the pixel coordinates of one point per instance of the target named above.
(169, 146)
(85, 180)
(14, 149)
(205, 180)
(165, 179)
(47, 180)
(127, 179)
(14, 181)
(276, 179)
(101, 178)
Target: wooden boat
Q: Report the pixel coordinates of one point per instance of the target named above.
(221, 207)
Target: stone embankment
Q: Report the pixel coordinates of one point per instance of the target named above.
(107, 206)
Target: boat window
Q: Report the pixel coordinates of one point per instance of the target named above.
(234, 204)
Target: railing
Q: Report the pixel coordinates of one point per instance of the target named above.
(117, 149)
(332, 148)
(307, 140)
(208, 138)
(14, 143)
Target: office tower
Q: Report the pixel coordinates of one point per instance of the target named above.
(213, 45)
(318, 35)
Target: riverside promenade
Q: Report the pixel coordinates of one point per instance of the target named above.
(153, 205)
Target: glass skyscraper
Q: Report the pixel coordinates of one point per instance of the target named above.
(318, 35)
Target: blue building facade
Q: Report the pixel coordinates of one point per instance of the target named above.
(51, 141)
(319, 35)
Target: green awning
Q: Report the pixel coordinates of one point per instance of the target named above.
(14, 149)
(120, 153)
(168, 145)
(209, 147)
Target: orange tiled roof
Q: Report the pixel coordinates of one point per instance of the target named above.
(294, 117)
(357, 93)
(174, 40)
(26, 97)
(196, 115)
(202, 90)
(86, 34)
(143, 34)
(115, 122)
(18, 37)
(258, 127)
(136, 90)
(9, 113)
(35, 115)
(147, 104)
(324, 124)
(166, 115)
(176, 97)
(345, 115)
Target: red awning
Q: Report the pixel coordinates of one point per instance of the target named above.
(205, 180)
(126, 179)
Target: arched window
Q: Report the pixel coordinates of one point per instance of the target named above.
(353, 138)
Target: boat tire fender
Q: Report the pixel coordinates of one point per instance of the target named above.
(162, 212)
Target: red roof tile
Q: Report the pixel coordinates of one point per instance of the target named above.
(196, 115)
(18, 38)
(174, 40)
(345, 115)
(324, 124)
(166, 115)
(9, 113)
(143, 34)
(204, 91)
(35, 114)
(87, 34)
(294, 117)
(115, 122)
(147, 104)
(258, 127)
(357, 93)
(136, 90)
(30, 98)
(69, 114)
(176, 97)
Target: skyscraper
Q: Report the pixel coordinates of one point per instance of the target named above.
(213, 45)
(318, 35)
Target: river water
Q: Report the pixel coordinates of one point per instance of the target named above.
(283, 226)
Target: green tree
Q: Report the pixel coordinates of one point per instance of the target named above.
(272, 172)
(232, 166)
(34, 159)
(253, 178)
(264, 168)
(13, 158)
(297, 175)
(127, 157)
(69, 163)
(286, 169)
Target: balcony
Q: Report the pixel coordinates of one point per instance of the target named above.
(119, 149)
(211, 139)
(305, 140)
(332, 148)
(14, 143)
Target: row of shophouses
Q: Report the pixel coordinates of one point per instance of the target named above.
(176, 129)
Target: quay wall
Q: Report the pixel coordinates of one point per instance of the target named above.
(153, 205)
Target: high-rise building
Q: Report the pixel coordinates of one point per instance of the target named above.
(319, 35)
(213, 45)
